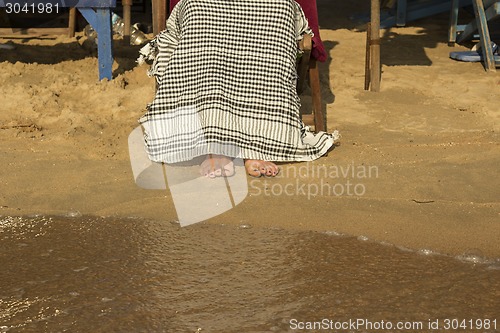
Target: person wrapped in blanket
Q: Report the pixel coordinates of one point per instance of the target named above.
(226, 88)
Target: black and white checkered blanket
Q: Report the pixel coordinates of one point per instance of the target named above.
(227, 84)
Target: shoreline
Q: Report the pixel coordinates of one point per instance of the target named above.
(105, 188)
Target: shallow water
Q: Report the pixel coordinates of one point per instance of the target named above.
(64, 274)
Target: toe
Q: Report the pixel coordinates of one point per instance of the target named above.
(275, 169)
(228, 171)
(253, 168)
(254, 172)
(227, 168)
(271, 169)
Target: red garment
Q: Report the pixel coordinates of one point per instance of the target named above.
(311, 12)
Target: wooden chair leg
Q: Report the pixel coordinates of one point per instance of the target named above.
(159, 15)
(452, 30)
(367, 56)
(303, 64)
(127, 4)
(72, 22)
(319, 116)
(375, 46)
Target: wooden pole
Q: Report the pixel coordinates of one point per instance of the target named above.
(367, 56)
(159, 15)
(72, 22)
(319, 118)
(375, 46)
(127, 4)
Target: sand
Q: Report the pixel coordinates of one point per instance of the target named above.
(430, 136)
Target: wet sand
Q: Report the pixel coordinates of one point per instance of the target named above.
(432, 134)
(86, 274)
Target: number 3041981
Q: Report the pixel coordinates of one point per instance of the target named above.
(31, 8)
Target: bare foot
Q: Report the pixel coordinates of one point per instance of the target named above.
(257, 168)
(217, 166)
